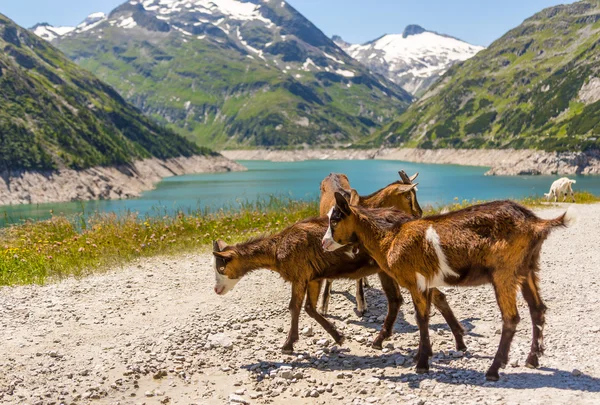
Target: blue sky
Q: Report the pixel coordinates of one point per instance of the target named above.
(475, 21)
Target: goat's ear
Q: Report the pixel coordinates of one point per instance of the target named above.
(354, 197)
(342, 204)
(226, 256)
(219, 245)
(405, 188)
(414, 176)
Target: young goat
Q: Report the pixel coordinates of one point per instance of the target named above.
(297, 256)
(400, 194)
(560, 187)
(497, 243)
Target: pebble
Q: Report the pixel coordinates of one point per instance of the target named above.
(308, 331)
(237, 399)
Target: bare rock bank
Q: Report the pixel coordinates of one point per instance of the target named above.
(505, 162)
(300, 155)
(103, 182)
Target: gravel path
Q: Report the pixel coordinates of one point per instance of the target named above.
(155, 332)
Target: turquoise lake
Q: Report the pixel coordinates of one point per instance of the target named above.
(438, 184)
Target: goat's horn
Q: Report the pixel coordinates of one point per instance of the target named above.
(414, 176)
(404, 177)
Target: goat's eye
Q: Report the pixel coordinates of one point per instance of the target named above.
(222, 268)
(408, 197)
(333, 223)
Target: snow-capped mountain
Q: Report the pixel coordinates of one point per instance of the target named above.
(413, 59)
(252, 72)
(50, 33)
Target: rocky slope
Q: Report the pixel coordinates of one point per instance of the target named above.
(414, 59)
(538, 86)
(56, 115)
(230, 72)
(502, 162)
(155, 332)
(103, 183)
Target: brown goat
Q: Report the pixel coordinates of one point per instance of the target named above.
(297, 256)
(497, 243)
(400, 194)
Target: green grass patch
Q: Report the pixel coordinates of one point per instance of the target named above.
(45, 251)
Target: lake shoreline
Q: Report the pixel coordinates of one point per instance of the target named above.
(103, 183)
(502, 162)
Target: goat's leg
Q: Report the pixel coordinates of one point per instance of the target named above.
(324, 308)
(394, 298)
(572, 194)
(439, 300)
(298, 292)
(312, 296)
(366, 282)
(361, 302)
(422, 302)
(506, 295)
(537, 309)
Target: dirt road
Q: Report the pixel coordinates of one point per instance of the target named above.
(155, 332)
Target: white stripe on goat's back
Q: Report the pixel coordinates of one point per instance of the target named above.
(444, 269)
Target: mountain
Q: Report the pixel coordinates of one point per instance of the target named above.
(49, 33)
(232, 72)
(414, 59)
(538, 86)
(53, 114)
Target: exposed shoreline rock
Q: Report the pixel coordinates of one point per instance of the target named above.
(502, 162)
(106, 183)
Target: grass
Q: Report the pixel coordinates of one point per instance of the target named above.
(39, 252)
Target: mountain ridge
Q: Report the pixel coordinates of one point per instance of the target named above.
(56, 115)
(414, 59)
(538, 86)
(230, 73)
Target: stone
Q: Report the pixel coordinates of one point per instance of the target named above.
(237, 399)
(308, 331)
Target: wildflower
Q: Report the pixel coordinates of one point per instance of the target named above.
(81, 249)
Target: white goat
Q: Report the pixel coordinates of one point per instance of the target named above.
(560, 187)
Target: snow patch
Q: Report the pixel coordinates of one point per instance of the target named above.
(345, 73)
(127, 23)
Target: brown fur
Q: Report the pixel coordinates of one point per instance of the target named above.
(297, 256)
(497, 243)
(400, 194)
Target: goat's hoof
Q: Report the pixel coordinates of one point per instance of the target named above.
(377, 345)
(492, 376)
(340, 341)
(422, 370)
(532, 361)
(287, 350)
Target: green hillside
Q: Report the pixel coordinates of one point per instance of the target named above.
(54, 114)
(271, 79)
(538, 86)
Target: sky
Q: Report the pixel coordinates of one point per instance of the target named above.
(479, 22)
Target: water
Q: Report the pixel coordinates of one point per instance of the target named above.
(438, 184)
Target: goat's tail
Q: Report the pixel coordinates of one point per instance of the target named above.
(567, 219)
